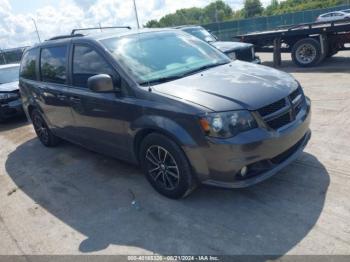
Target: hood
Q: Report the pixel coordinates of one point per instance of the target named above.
(233, 86)
(230, 46)
(9, 87)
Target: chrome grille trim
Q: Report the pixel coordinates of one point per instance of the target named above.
(283, 111)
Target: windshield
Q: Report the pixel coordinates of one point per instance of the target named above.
(201, 33)
(9, 74)
(163, 55)
(346, 11)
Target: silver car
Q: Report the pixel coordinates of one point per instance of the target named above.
(334, 16)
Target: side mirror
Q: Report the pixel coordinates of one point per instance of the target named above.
(100, 83)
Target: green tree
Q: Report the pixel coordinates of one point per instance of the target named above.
(182, 16)
(271, 8)
(252, 8)
(300, 5)
(152, 24)
(217, 11)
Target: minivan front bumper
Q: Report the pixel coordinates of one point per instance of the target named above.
(260, 151)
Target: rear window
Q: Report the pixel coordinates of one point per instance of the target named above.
(53, 64)
(28, 65)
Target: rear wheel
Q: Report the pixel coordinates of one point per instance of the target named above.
(166, 167)
(42, 130)
(306, 52)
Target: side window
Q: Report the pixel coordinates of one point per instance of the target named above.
(87, 63)
(28, 65)
(53, 64)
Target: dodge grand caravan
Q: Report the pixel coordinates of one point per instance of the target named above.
(166, 100)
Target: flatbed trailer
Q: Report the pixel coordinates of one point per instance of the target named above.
(309, 44)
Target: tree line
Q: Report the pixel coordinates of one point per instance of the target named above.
(219, 11)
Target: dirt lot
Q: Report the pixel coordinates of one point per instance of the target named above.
(68, 200)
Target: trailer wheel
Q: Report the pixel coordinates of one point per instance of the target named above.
(306, 52)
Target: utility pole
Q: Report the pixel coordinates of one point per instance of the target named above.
(136, 15)
(36, 29)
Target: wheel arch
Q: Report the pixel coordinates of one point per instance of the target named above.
(142, 133)
(172, 130)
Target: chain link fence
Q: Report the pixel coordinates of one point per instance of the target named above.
(225, 31)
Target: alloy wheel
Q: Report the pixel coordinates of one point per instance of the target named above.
(162, 167)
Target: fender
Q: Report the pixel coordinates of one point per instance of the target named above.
(163, 125)
(176, 132)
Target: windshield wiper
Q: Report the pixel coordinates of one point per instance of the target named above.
(162, 79)
(206, 67)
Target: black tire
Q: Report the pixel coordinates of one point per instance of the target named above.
(166, 166)
(307, 52)
(42, 130)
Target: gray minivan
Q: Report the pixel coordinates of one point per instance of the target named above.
(166, 100)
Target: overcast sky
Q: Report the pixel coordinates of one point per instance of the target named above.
(55, 17)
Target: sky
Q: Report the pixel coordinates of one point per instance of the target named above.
(57, 17)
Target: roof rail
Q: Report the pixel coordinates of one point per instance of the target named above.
(63, 37)
(97, 28)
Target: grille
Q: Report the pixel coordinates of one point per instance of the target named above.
(294, 94)
(244, 54)
(275, 119)
(280, 121)
(298, 108)
(267, 110)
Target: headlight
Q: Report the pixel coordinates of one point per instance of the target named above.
(5, 96)
(227, 124)
(232, 55)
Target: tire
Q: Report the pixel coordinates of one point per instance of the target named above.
(307, 52)
(42, 130)
(166, 166)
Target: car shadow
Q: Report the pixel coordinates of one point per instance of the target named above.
(13, 123)
(111, 203)
(336, 64)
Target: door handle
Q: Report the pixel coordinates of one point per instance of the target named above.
(75, 99)
(61, 97)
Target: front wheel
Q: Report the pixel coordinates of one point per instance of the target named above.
(166, 167)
